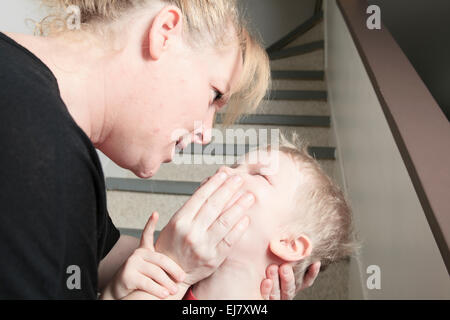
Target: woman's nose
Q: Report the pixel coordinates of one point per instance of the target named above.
(203, 137)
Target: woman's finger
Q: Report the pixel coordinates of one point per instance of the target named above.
(272, 274)
(311, 275)
(287, 281)
(225, 245)
(165, 263)
(266, 288)
(233, 200)
(212, 208)
(147, 234)
(158, 275)
(193, 205)
(227, 220)
(204, 181)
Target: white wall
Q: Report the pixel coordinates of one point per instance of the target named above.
(275, 18)
(13, 15)
(389, 218)
(272, 18)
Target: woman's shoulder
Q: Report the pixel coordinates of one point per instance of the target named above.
(34, 120)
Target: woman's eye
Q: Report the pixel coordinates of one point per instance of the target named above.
(218, 95)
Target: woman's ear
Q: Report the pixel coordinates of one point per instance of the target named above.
(166, 26)
(290, 248)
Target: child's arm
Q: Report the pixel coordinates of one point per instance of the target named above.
(145, 270)
(142, 295)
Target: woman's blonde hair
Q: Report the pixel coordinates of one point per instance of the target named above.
(204, 20)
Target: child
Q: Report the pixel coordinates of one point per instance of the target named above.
(299, 217)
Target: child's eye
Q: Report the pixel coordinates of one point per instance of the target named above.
(265, 177)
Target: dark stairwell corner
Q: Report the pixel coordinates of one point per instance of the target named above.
(422, 29)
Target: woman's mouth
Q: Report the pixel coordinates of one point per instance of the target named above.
(180, 145)
(177, 146)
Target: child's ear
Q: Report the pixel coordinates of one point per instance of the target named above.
(290, 248)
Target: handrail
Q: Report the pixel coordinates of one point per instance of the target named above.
(318, 8)
(419, 127)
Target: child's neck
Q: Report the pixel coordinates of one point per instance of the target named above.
(233, 280)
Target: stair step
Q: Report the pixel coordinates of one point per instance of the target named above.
(305, 107)
(296, 33)
(215, 149)
(313, 61)
(297, 50)
(152, 186)
(314, 34)
(315, 136)
(298, 85)
(281, 120)
(297, 95)
(131, 210)
(297, 108)
(137, 233)
(298, 75)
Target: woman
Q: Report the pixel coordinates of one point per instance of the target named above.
(131, 82)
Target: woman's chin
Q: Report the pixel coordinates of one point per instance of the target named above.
(145, 173)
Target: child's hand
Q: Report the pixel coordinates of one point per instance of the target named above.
(145, 270)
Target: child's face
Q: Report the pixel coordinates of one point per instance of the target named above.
(275, 196)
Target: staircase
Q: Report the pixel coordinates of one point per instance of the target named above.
(298, 103)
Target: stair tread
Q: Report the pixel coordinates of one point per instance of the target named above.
(297, 95)
(281, 120)
(297, 50)
(294, 107)
(316, 33)
(311, 75)
(299, 32)
(313, 61)
(298, 85)
(316, 136)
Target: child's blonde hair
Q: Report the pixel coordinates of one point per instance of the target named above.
(322, 214)
(205, 21)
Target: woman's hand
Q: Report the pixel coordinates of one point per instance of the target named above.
(145, 270)
(200, 235)
(280, 281)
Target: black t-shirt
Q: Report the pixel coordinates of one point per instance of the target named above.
(54, 224)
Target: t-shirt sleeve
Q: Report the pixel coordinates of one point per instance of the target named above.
(111, 237)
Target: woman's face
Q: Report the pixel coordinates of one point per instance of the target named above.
(169, 101)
